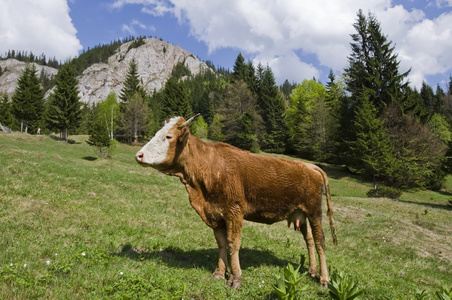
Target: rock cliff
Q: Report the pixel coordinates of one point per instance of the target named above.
(155, 60)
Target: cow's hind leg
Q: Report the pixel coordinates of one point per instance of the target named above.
(319, 240)
(220, 236)
(307, 234)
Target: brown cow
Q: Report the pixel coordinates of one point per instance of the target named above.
(227, 185)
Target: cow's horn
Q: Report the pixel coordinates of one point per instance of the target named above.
(189, 120)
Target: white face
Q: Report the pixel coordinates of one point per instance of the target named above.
(156, 151)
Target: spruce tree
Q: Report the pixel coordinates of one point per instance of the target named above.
(272, 109)
(372, 149)
(240, 70)
(175, 99)
(241, 121)
(373, 67)
(372, 76)
(6, 111)
(132, 85)
(28, 100)
(64, 110)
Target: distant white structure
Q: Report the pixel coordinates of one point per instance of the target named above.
(5, 129)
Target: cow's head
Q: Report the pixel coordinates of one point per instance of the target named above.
(164, 148)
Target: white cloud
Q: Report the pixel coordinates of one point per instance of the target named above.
(38, 26)
(129, 29)
(273, 32)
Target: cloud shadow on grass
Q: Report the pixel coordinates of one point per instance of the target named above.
(203, 258)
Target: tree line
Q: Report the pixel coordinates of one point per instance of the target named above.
(368, 119)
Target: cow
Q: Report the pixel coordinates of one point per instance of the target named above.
(227, 185)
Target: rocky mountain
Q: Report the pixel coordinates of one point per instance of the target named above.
(155, 60)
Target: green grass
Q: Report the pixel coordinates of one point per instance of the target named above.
(141, 238)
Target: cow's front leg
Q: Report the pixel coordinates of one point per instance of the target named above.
(234, 232)
(307, 234)
(220, 236)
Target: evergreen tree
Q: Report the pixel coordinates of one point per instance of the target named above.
(65, 108)
(334, 98)
(373, 67)
(6, 111)
(241, 122)
(286, 88)
(240, 70)
(372, 149)
(372, 76)
(132, 85)
(175, 99)
(428, 98)
(28, 100)
(272, 109)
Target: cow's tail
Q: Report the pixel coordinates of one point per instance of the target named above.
(326, 187)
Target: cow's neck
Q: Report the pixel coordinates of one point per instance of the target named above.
(190, 159)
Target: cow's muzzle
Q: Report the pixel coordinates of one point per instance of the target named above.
(139, 157)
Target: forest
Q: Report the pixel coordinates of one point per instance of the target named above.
(368, 119)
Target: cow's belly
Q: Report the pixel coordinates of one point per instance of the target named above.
(266, 218)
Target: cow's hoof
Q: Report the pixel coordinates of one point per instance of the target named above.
(234, 281)
(217, 275)
(312, 273)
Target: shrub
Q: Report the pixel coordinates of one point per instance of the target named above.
(385, 191)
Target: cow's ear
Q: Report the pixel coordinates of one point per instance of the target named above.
(184, 134)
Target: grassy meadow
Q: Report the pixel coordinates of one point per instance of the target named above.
(73, 226)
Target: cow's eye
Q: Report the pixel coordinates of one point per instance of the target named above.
(168, 137)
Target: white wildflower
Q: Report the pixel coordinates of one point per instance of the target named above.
(25, 265)
(120, 273)
(48, 262)
(83, 253)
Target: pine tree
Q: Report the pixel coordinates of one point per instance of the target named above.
(240, 70)
(64, 110)
(241, 122)
(372, 149)
(132, 85)
(272, 109)
(175, 99)
(6, 111)
(373, 67)
(372, 76)
(28, 100)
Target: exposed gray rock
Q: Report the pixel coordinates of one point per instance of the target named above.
(14, 68)
(155, 61)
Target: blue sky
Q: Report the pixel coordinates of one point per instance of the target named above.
(298, 39)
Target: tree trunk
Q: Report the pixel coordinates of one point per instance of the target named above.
(64, 134)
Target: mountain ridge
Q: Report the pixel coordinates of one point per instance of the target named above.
(155, 60)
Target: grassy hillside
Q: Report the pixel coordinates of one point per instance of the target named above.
(76, 227)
